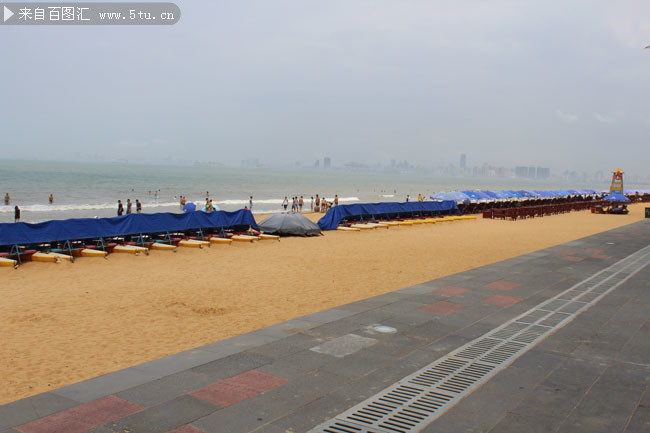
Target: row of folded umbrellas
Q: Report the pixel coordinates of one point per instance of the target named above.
(520, 194)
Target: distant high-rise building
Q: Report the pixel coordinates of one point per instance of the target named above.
(521, 171)
(327, 162)
(532, 172)
(463, 161)
(317, 163)
(543, 172)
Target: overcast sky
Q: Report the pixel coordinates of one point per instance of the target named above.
(564, 84)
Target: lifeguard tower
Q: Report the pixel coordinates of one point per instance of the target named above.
(617, 182)
(616, 200)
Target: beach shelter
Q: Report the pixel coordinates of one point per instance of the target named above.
(289, 224)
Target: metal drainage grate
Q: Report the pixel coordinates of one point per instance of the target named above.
(533, 317)
(420, 398)
(554, 319)
(479, 348)
(508, 331)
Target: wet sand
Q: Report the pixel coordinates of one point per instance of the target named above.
(68, 322)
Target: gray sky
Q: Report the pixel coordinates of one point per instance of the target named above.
(564, 84)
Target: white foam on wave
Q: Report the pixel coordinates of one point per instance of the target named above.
(147, 205)
(75, 207)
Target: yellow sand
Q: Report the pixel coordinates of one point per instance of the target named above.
(62, 323)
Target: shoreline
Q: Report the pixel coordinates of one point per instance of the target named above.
(136, 309)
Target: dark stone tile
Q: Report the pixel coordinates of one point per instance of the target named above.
(474, 330)
(431, 331)
(296, 364)
(640, 421)
(371, 317)
(335, 329)
(488, 404)
(237, 344)
(574, 375)
(263, 409)
(287, 346)
(232, 365)
(167, 388)
(28, 409)
(107, 384)
(314, 413)
(163, 418)
(178, 362)
(399, 346)
(327, 316)
(358, 364)
(284, 329)
(518, 423)
(400, 307)
(447, 344)
(411, 319)
(607, 407)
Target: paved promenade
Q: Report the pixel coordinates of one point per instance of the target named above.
(557, 340)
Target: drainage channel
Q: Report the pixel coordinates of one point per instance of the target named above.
(418, 399)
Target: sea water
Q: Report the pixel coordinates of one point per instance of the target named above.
(87, 190)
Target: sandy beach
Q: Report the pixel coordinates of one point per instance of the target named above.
(69, 322)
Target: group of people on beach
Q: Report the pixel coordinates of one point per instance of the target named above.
(8, 199)
(316, 205)
(129, 207)
(17, 210)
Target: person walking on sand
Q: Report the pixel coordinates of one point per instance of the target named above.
(301, 202)
(293, 204)
(16, 214)
(285, 203)
(317, 202)
(138, 206)
(51, 198)
(120, 208)
(128, 206)
(336, 200)
(250, 203)
(7, 199)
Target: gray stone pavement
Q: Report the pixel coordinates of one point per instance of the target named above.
(591, 375)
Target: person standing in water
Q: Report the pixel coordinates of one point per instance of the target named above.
(300, 203)
(7, 199)
(51, 198)
(128, 206)
(120, 208)
(336, 200)
(250, 203)
(312, 204)
(285, 203)
(138, 206)
(16, 214)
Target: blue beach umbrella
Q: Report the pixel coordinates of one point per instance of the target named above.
(189, 207)
(450, 195)
(616, 198)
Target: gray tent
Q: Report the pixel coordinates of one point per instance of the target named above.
(289, 224)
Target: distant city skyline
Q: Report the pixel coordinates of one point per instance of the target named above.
(532, 84)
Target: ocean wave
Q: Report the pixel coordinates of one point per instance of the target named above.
(147, 205)
(75, 207)
(387, 195)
